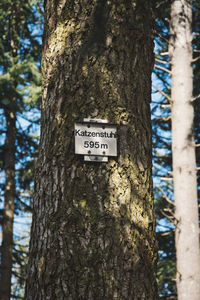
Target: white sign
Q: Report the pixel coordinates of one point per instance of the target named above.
(95, 139)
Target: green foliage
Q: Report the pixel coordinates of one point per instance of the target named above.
(20, 93)
(162, 157)
(20, 260)
(166, 269)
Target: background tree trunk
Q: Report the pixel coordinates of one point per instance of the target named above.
(183, 152)
(8, 215)
(9, 167)
(93, 223)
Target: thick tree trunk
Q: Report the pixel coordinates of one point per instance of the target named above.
(93, 223)
(183, 151)
(9, 196)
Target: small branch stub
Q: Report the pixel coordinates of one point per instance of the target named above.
(95, 139)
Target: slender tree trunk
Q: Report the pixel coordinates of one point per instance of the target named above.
(9, 162)
(7, 234)
(183, 151)
(93, 223)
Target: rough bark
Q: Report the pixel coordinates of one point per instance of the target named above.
(93, 224)
(183, 152)
(8, 215)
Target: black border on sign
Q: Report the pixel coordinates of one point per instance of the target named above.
(99, 123)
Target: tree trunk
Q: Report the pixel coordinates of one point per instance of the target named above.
(8, 215)
(183, 152)
(93, 223)
(9, 162)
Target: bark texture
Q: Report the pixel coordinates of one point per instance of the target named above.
(8, 215)
(93, 223)
(183, 151)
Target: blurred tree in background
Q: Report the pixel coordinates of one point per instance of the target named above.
(20, 81)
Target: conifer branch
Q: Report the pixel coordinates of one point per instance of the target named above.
(161, 36)
(170, 218)
(163, 93)
(195, 59)
(195, 98)
(165, 196)
(166, 178)
(162, 61)
(167, 233)
(164, 53)
(164, 118)
(163, 69)
(165, 105)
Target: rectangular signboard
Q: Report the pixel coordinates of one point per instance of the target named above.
(95, 139)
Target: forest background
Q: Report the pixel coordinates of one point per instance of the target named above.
(20, 88)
